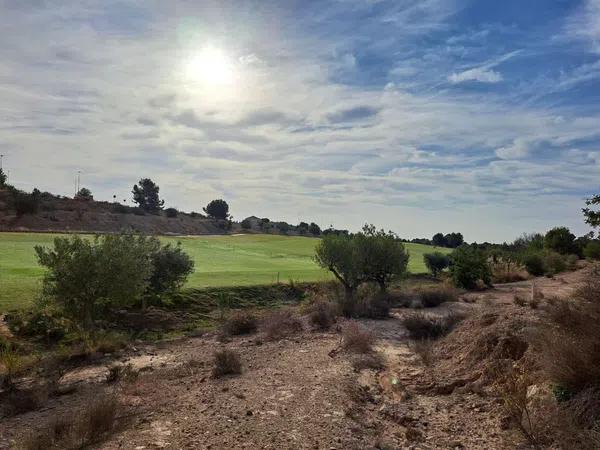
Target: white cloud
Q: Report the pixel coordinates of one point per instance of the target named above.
(585, 24)
(478, 74)
(519, 149)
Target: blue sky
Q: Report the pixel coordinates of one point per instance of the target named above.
(437, 115)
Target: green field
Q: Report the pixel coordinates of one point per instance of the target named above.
(220, 261)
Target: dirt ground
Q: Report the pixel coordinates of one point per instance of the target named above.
(294, 394)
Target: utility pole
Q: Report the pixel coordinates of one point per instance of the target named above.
(78, 183)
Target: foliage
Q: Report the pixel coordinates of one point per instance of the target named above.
(436, 262)
(85, 276)
(246, 224)
(592, 250)
(592, 217)
(451, 240)
(314, 229)
(529, 242)
(240, 323)
(468, 266)
(281, 323)
(554, 263)
(357, 339)
(217, 209)
(226, 362)
(438, 240)
(145, 194)
(170, 268)
(322, 314)
(26, 203)
(433, 297)
(171, 213)
(43, 321)
(560, 240)
(84, 194)
(284, 227)
(534, 264)
(3, 178)
(425, 326)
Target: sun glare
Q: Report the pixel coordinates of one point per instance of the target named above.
(210, 66)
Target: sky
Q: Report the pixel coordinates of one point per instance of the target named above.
(427, 116)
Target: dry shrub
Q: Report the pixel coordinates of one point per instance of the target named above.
(81, 429)
(121, 372)
(433, 297)
(280, 324)
(375, 306)
(425, 326)
(322, 314)
(519, 300)
(226, 362)
(424, 349)
(240, 323)
(19, 401)
(357, 339)
(400, 298)
(372, 361)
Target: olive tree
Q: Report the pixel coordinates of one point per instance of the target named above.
(436, 262)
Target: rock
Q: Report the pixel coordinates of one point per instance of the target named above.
(249, 413)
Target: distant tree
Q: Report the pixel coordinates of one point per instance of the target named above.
(529, 241)
(246, 224)
(454, 240)
(534, 263)
(171, 213)
(382, 255)
(3, 178)
(302, 228)
(436, 262)
(332, 230)
(217, 209)
(145, 194)
(84, 194)
(592, 217)
(592, 250)
(265, 224)
(561, 240)
(284, 227)
(439, 240)
(26, 203)
(314, 229)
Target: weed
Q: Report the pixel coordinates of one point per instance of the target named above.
(357, 339)
(240, 323)
(226, 362)
(372, 361)
(424, 326)
(431, 298)
(281, 323)
(322, 314)
(424, 349)
(519, 300)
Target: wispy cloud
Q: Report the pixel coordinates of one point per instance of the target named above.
(483, 73)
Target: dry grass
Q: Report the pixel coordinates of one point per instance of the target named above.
(424, 326)
(424, 349)
(371, 361)
(357, 339)
(323, 314)
(19, 401)
(240, 323)
(226, 362)
(280, 324)
(81, 429)
(519, 300)
(430, 298)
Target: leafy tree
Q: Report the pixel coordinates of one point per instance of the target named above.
(314, 229)
(382, 255)
(86, 276)
(145, 194)
(25, 203)
(592, 217)
(246, 224)
(592, 250)
(534, 264)
(454, 240)
(468, 266)
(3, 178)
(170, 268)
(341, 256)
(171, 213)
(265, 224)
(436, 262)
(530, 242)
(84, 194)
(561, 240)
(284, 227)
(439, 240)
(217, 209)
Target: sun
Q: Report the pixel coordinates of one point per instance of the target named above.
(210, 66)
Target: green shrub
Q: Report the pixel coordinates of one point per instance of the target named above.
(561, 240)
(436, 262)
(571, 262)
(171, 213)
(554, 263)
(170, 268)
(468, 267)
(246, 224)
(42, 322)
(592, 250)
(534, 264)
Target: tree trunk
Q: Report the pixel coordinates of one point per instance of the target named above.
(382, 287)
(348, 306)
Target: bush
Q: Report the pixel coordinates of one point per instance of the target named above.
(534, 264)
(171, 213)
(226, 362)
(436, 262)
(240, 323)
(592, 250)
(357, 339)
(571, 262)
(424, 326)
(560, 240)
(554, 263)
(468, 267)
(246, 224)
(431, 298)
(170, 268)
(373, 306)
(42, 322)
(322, 314)
(281, 323)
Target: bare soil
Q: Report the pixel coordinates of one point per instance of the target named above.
(296, 393)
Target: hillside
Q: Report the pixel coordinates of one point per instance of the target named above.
(55, 213)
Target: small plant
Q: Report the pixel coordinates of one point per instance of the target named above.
(357, 339)
(519, 300)
(534, 264)
(224, 302)
(240, 323)
(281, 323)
(423, 326)
(226, 362)
(322, 315)
(431, 298)
(371, 361)
(121, 373)
(12, 363)
(424, 349)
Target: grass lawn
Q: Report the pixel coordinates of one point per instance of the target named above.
(220, 261)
